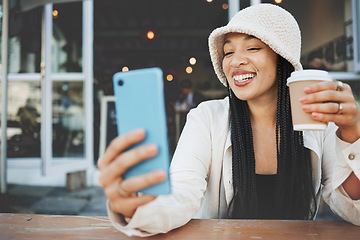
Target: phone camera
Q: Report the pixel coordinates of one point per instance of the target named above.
(121, 82)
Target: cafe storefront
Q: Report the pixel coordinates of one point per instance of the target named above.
(59, 68)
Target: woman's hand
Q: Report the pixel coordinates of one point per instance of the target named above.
(331, 102)
(114, 163)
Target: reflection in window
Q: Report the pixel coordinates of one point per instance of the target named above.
(1, 20)
(24, 112)
(355, 87)
(67, 37)
(25, 41)
(68, 119)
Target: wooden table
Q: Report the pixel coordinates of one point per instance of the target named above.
(32, 226)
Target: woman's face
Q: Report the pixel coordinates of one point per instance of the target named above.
(250, 67)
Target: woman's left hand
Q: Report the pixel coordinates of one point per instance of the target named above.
(334, 102)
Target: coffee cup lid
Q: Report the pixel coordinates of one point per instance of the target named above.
(309, 74)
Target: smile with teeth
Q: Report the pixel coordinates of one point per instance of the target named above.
(244, 77)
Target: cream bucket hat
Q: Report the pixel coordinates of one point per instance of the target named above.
(270, 23)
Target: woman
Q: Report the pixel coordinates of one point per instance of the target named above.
(239, 157)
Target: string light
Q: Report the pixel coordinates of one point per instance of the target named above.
(189, 70)
(150, 35)
(169, 77)
(125, 69)
(225, 6)
(192, 61)
(55, 13)
(278, 1)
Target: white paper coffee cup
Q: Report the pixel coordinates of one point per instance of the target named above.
(297, 81)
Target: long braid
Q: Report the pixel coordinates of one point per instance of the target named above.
(243, 160)
(294, 191)
(294, 183)
(280, 119)
(285, 164)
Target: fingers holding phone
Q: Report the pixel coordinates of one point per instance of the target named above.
(115, 162)
(119, 144)
(125, 201)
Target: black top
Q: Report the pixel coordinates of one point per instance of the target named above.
(265, 185)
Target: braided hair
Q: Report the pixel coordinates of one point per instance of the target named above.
(294, 196)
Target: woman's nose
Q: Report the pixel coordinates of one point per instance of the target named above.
(238, 60)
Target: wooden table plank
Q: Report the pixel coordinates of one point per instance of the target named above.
(32, 226)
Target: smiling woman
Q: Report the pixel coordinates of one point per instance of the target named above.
(239, 157)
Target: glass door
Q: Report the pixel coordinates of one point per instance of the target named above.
(69, 80)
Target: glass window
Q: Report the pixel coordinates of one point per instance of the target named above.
(355, 87)
(356, 22)
(67, 38)
(25, 41)
(68, 119)
(1, 19)
(24, 111)
(325, 32)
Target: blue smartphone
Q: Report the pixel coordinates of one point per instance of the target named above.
(139, 103)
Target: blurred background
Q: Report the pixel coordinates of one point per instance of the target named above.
(62, 56)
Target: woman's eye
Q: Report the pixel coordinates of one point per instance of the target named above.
(254, 49)
(227, 54)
